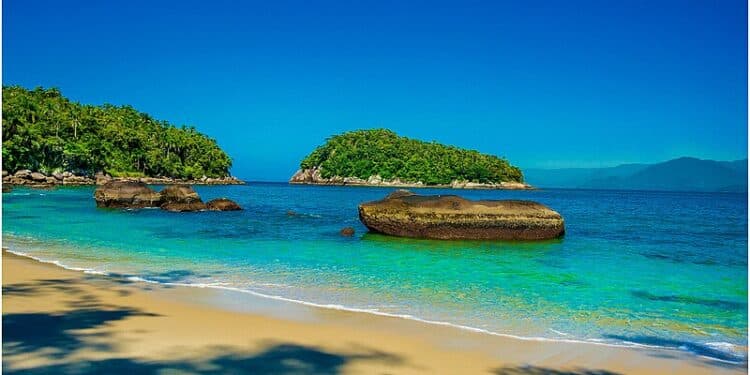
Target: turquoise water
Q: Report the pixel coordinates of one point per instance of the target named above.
(648, 268)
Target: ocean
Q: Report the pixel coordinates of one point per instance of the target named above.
(666, 269)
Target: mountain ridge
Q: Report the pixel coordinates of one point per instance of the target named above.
(680, 174)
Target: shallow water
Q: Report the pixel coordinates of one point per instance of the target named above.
(648, 268)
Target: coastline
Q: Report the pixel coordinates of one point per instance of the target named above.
(42, 180)
(165, 317)
(314, 177)
(471, 186)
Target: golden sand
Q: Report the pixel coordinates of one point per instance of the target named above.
(61, 321)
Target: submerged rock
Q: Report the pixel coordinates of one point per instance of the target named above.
(347, 232)
(126, 194)
(223, 204)
(184, 207)
(406, 214)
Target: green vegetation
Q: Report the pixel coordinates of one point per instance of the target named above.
(43, 131)
(365, 153)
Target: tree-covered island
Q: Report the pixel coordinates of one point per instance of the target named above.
(46, 133)
(381, 157)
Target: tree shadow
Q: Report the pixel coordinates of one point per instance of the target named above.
(714, 356)
(279, 359)
(58, 334)
(59, 342)
(41, 287)
(537, 370)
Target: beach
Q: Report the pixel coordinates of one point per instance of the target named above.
(62, 321)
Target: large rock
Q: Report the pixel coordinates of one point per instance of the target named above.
(451, 217)
(126, 194)
(223, 204)
(181, 198)
(38, 177)
(179, 194)
(184, 207)
(23, 173)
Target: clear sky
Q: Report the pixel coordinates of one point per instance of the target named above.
(543, 83)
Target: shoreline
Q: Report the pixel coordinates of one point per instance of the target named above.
(48, 180)
(447, 332)
(474, 186)
(314, 176)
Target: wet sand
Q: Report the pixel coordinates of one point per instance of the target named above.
(62, 321)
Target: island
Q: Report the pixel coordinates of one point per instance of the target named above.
(380, 157)
(49, 140)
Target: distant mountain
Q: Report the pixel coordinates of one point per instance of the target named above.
(682, 174)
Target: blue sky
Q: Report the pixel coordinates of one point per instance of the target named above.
(543, 83)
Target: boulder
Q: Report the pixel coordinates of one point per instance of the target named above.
(181, 198)
(5, 173)
(23, 173)
(347, 232)
(38, 177)
(179, 194)
(58, 176)
(223, 204)
(449, 217)
(102, 178)
(126, 194)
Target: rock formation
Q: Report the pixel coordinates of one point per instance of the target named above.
(406, 214)
(121, 194)
(175, 198)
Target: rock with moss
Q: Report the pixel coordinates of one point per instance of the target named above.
(450, 217)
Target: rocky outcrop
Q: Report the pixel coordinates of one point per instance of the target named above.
(126, 194)
(39, 179)
(451, 217)
(181, 198)
(313, 176)
(222, 204)
(175, 198)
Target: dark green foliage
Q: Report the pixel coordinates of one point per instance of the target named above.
(44, 131)
(364, 153)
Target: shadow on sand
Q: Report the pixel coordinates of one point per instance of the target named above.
(57, 341)
(536, 370)
(277, 359)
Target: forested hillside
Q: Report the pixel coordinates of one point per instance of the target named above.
(366, 153)
(43, 131)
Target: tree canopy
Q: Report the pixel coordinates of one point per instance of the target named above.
(365, 153)
(44, 131)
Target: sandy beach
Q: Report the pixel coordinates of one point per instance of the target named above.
(61, 321)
